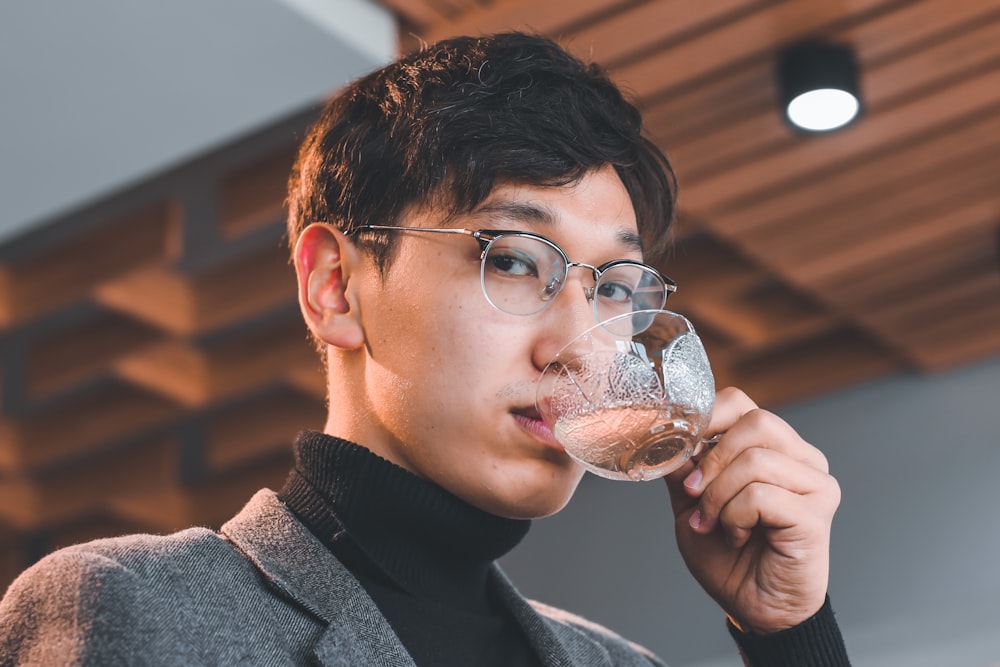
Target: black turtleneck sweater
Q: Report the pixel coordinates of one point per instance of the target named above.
(424, 556)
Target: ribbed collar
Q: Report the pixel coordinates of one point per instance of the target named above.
(427, 541)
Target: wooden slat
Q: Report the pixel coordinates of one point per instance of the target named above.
(749, 134)
(900, 202)
(257, 283)
(309, 378)
(820, 365)
(952, 143)
(941, 305)
(80, 426)
(76, 491)
(155, 294)
(218, 297)
(253, 195)
(416, 12)
(654, 24)
(260, 427)
(771, 174)
(916, 25)
(174, 369)
(946, 343)
(207, 502)
(74, 354)
(757, 36)
(883, 243)
(543, 17)
(197, 376)
(904, 279)
(749, 85)
(13, 556)
(60, 275)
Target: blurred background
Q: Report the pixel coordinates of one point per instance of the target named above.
(154, 369)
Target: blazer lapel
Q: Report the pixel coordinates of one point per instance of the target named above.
(557, 644)
(305, 571)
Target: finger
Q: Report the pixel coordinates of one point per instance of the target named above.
(753, 423)
(730, 404)
(771, 507)
(680, 497)
(755, 429)
(759, 465)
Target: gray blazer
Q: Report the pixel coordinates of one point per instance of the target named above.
(262, 591)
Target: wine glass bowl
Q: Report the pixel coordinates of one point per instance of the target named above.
(631, 397)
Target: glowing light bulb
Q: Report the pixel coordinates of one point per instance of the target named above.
(823, 109)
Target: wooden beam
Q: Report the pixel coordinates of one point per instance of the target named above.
(71, 492)
(863, 253)
(419, 13)
(935, 153)
(259, 282)
(155, 294)
(642, 27)
(548, 18)
(260, 427)
(750, 132)
(755, 36)
(57, 276)
(80, 425)
(59, 359)
(253, 195)
(207, 502)
(909, 200)
(197, 376)
(837, 359)
(190, 305)
(772, 174)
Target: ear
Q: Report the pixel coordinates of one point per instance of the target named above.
(324, 258)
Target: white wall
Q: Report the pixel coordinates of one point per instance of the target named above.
(96, 95)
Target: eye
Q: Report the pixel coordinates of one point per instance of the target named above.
(618, 292)
(512, 262)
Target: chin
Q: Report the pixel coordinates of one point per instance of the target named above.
(534, 501)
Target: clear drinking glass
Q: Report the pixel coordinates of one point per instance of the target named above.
(630, 398)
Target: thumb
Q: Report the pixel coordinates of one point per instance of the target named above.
(680, 499)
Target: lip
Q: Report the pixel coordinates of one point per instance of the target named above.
(531, 421)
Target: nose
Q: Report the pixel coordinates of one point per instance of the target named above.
(570, 314)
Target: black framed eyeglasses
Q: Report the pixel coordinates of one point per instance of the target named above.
(521, 273)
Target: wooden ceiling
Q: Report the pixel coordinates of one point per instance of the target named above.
(154, 366)
(807, 262)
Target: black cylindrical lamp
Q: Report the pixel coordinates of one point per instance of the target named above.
(818, 85)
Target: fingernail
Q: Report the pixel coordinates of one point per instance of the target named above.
(693, 481)
(695, 519)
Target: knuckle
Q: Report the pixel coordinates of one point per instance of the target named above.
(758, 418)
(823, 462)
(756, 457)
(757, 492)
(736, 395)
(834, 491)
(730, 392)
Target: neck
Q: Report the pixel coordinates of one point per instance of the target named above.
(426, 540)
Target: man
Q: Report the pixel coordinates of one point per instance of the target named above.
(453, 219)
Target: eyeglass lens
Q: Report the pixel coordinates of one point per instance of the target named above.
(521, 274)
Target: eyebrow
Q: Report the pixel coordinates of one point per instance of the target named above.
(527, 212)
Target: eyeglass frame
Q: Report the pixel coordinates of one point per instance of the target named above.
(486, 238)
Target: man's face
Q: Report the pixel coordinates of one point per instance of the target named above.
(449, 380)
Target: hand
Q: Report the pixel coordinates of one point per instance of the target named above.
(753, 517)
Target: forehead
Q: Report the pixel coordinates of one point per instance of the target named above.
(596, 210)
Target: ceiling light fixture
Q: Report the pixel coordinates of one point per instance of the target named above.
(818, 85)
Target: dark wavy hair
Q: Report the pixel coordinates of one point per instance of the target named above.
(448, 123)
